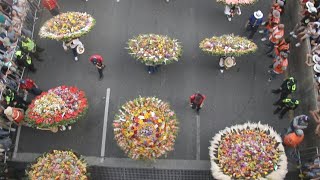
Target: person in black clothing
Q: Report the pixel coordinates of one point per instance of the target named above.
(24, 60)
(287, 87)
(100, 68)
(285, 105)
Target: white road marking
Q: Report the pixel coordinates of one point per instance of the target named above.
(16, 144)
(105, 125)
(198, 137)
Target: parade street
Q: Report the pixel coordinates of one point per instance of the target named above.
(236, 96)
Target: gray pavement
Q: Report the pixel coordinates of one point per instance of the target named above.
(239, 95)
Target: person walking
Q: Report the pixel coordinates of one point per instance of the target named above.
(253, 23)
(298, 122)
(30, 86)
(52, 6)
(279, 65)
(287, 87)
(282, 46)
(196, 101)
(76, 47)
(226, 62)
(276, 34)
(29, 46)
(231, 11)
(273, 20)
(293, 139)
(285, 105)
(97, 60)
(25, 60)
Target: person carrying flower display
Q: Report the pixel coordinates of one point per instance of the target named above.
(73, 44)
(29, 46)
(52, 6)
(226, 62)
(231, 11)
(30, 86)
(196, 101)
(15, 115)
(293, 139)
(97, 60)
(285, 105)
(253, 23)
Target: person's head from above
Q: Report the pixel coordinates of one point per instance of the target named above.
(281, 26)
(276, 13)
(94, 60)
(299, 132)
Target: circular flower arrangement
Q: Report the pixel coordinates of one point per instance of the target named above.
(145, 128)
(248, 151)
(67, 26)
(153, 49)
(228, 45)
(237, 2)
(58, 164)
(62, 105)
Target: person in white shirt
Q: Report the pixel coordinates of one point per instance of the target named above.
(73, 44)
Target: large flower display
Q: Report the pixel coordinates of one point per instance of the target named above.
(145, 128)
(62, 105)
(229, 45)
(58, 164)
(237, 2)
(154, 49)
(248, 151)
(67, 26)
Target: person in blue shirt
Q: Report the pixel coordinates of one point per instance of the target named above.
(253, 23)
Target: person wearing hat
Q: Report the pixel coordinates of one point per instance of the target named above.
(253, 23)
(287, 87)
(74, 44)
(29, 46)
(196, 101)
(226, 62)
(273, 20)
(298, 122)
(312, 60)
(309, 8)
(285, 105)
(303, 23)
(293, 139)
(312, 31)
(15, 115)
(280, 64)
(30, 86)
(97, 60)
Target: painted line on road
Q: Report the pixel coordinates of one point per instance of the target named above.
(105, 125)
(177, 164)
(198, 137)
(16, 144)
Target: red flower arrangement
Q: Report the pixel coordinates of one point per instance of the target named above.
(59, 106)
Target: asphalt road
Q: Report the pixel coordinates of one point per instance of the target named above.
(239, 95)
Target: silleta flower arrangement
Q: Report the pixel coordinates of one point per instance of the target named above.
(229, 45)
(154, 49)
(248, 151)
(58, 164)
(237, 2)
(62, 105)
(67, 26)
(145, 128)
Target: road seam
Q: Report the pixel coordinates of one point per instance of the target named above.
(198, 137)
(16, 144)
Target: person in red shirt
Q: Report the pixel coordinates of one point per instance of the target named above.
(30, 86)
(293, 139)
(52, 6)
(196, 101)
(15, 115)
(97, 60)
(280, 64)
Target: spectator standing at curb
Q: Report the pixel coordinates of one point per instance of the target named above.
(285, 105)
(97, 60)
(287, 87)
(52, 6)
(30, 86)
(196, 101)
(253, 23)
(298, 122)
(76, 47)
(15, 115)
